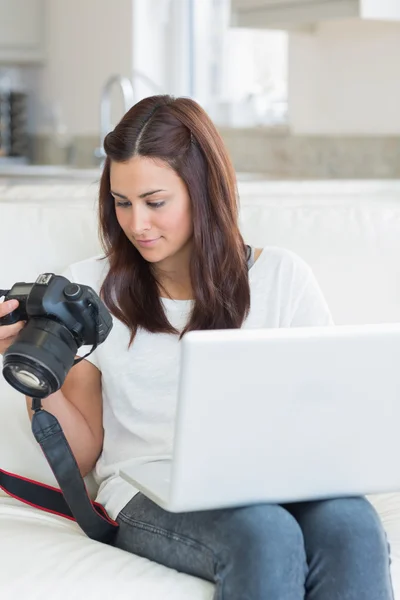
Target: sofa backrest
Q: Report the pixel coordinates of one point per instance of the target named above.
(39, 236)
(352, 244)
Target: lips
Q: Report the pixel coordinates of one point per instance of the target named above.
(146, 243)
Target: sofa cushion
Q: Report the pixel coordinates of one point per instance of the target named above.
(43, 555)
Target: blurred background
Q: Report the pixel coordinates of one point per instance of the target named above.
(299, 89)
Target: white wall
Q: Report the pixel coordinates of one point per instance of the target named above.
(87, 41)
(344, 79)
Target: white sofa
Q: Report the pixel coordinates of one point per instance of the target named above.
(350, 235)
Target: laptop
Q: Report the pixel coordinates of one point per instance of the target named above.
(279, 416)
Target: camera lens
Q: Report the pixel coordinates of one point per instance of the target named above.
(26, 377)
(37, 363)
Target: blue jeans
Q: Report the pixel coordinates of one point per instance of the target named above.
(326, 550)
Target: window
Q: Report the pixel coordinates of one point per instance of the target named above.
(187, 47)
(239, 75)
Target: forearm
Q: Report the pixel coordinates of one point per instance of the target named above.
(85, 447)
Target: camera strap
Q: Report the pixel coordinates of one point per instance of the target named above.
(72, 501)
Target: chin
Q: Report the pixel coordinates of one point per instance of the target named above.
(152, 259)
(151, 256)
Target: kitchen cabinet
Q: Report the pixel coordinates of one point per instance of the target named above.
(288, 14)
(22, 31)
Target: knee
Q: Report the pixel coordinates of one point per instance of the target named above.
(347, 524)
(267, 530)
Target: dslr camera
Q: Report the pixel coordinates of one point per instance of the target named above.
(61, 317)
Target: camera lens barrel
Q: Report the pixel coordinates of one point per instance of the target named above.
(37, 363)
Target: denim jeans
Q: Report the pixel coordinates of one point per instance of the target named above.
(325, 550)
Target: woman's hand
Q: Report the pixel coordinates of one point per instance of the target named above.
(8, 333)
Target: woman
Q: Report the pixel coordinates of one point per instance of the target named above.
(175, 261)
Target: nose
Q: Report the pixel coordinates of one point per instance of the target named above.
(139, 220)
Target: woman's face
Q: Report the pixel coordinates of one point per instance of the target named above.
(153, 207)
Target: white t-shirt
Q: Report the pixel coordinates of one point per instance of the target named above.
(139, 384)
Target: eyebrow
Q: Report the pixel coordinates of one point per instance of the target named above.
(145, 195)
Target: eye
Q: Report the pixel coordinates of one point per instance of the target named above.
(122, 204)
(156, 204)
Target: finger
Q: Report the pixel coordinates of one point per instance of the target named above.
(7, 307)
(8, 331)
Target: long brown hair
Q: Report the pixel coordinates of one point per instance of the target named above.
(180, 133)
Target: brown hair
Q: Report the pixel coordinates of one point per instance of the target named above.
(180, 133)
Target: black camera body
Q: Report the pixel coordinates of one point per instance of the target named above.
(61, 317)
(54, 297)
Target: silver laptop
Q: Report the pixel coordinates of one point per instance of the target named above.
(281, 415)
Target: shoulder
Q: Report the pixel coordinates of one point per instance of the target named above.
(275, 260)
(287, 281)
(91, 271)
